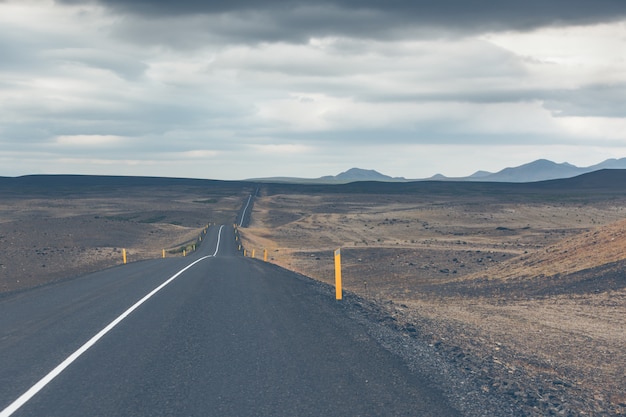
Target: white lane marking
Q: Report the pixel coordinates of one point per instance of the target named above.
(217, 247)
(243, 216)
(24, 398)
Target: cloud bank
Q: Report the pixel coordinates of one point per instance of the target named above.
(243, 89)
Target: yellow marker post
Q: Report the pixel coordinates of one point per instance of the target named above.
(163, 253)
(338, 291)
(124, 255)
(253, 253)
(184, 252)
(265, 255)
(244, 252)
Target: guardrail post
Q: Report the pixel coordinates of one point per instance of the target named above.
(338, 289)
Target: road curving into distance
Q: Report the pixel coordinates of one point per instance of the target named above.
(243, 218)
(212, 334)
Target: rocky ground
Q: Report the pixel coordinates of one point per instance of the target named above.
(527, 298)
(47, 237)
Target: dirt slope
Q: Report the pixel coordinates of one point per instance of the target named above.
(602, 246)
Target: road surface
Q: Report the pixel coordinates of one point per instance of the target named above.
(227, 336)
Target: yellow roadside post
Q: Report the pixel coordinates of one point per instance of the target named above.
(124, 255)
(163, 253)
(253, 253)
(265, 255)
(338, 291)
(184, 252)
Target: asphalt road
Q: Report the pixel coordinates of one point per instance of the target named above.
(229, 336)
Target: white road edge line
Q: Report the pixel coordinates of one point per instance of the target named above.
(217, 247)
(24, 398)
(243, 215)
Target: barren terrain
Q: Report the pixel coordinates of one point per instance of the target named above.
(521, 288)
(527, 296)
(47, 234)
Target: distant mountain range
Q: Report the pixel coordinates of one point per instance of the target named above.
(351, 175)
(357, 174)
(539, 170)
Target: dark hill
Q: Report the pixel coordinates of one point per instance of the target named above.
(75, 184)
(609, 180)
(608, 183)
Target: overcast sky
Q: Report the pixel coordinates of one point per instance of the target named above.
(246, 88)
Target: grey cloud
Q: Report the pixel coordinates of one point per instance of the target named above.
(296, 20)
(475, 96)
(429, 133)
(14, 55)
(255, 26)
(151, 115)
(185, 7)
(122, 65)
(16, 135)
(600, 100)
